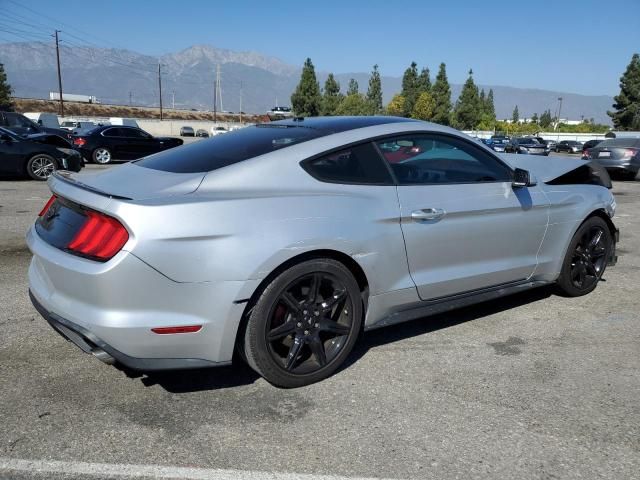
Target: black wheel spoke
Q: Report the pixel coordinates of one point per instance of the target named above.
(590, 269)
(598, 252)
(337, 297)
(282, 331)
(327, 325)
(294, 352)
(290, 301)
(317, 348)
(314, 288)
(595, 240)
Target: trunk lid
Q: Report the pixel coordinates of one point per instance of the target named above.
(131, 182)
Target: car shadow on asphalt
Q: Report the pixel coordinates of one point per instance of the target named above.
(425, 325)
(239, 374)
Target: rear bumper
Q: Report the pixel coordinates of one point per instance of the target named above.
(90, 343)
(111, 307)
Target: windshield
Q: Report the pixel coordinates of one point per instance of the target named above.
(234, 147)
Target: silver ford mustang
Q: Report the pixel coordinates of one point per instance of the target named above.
(283, 241)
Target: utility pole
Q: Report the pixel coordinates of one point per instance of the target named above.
(215, 96)
(173, 99)
(130, 97)
(160, 89)
(59, 74)
(240, 103)
(559, 112)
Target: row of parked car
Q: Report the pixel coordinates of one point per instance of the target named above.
(27, 147)
(187, 131)
(617, 155)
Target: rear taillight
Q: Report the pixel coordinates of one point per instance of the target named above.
(100, 237)
(79, 141)
(47, 206)
(629, 152)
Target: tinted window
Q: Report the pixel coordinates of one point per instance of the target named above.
(435, 159)
(358, 164)
(16, 120)
(112, 132)
(133, 133)
(620, 142)
(230, 148)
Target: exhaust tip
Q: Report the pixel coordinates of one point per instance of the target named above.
(103, 356)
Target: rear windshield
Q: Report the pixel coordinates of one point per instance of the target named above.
(620, 142)
(223, 150)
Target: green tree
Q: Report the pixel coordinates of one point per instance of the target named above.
(306, 98)
(353, 87)
(515, 116)
(468, 112)
(626, 115)
(545, 119)
(5, 91)
(374, 92)
(410, 88)
(424, 81)
(441, 92)
(396, 106)
(490, 108)
(534, 119)
(331, 96)
(423, 109)
(354, 104)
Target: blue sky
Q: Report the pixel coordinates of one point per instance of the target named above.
(568, 45)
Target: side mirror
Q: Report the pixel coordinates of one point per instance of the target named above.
(522, 178)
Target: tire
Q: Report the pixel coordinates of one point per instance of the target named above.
(41, 166)
(101, 156)
(586, 259)
(294, 337)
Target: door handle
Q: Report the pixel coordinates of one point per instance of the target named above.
(427, 214)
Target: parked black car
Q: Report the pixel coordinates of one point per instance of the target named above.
(526, 145)
(107, 143)
(587, 145)
(618, 155)
(569, 146)
(202, 133)
(21, 125)
(37, 155)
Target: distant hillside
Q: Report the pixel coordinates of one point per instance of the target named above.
(188, 76)
(92, 110)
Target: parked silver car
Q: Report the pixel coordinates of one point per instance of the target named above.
(283, 241)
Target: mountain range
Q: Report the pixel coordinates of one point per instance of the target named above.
(121, 76)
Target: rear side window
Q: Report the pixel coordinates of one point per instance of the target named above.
(359, 164)
(620, 142)
(233, 147)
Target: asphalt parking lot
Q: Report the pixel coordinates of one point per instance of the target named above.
(529, 386)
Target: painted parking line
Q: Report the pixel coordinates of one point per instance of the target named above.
(125, 471)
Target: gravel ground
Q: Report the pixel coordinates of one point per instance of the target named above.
(529, 386)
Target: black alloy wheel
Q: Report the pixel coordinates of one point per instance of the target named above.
(309, 322)
(304, 324)
(586, 258)
(589, 260)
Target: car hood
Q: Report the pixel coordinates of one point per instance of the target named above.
(544, 169)
(132, 182)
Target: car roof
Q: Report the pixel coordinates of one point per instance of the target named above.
(339, 124)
